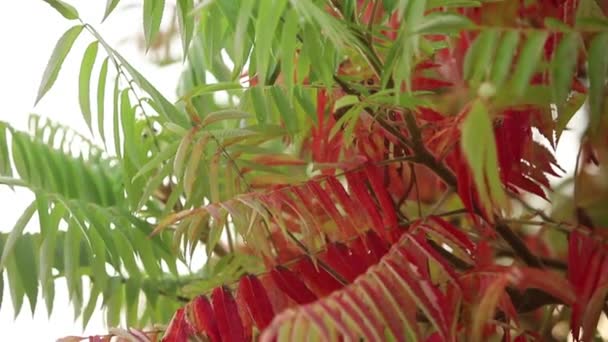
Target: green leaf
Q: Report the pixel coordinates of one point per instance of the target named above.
(110, 6)
(132, 298)
(443, 23)
(479, 56)
(128, 253)
(62, 48)
(1, 287)
(5, 162)
(163, 107)
(71, 256)
(101, 90)
(164, 155)
(114, 303)
(186, 23)
(25, 258)
(210, 88)
(84, 82)
(16, 233)
(258, 99)
(17, 290)
(91, 306)
(562, 68)
(66, 10)
(116, 118)
(240, 33)
(286, 110)
(182, 149)
(269, 13)
(153, 14)
(504, 57)
(598, 66)
(225, 114)
(49, 233)
(479, 147)
(529, 59)
(127, 122)
(288, 51)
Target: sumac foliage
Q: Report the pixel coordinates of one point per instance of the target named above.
(343, 169)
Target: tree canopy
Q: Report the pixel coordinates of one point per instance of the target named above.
(343, 169)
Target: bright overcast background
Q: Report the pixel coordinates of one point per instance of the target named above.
(28, 32)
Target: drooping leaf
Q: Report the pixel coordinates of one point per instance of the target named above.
(257, 301)
(226, 312)
(504, 57)
(479, 56)
(528, 61)
(101, 90)
(66, 10)
(563, 64)
(153, 14)
(86, 67)
(16, 234)
(598, 66)
(110, 6)
(186, 23)
(479, 147)
(61, 50)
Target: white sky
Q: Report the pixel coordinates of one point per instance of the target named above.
(28, 32)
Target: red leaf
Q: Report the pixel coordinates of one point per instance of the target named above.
(227, 315)
(385, 308)
(291, 284)
(432, 254)
(204, 319)
(376, 246)
(330, 208)
(389, 219)
(547, 281)
(345, 201)
(319, 280)
(425, 83)
(356, 184)
(279, 300)
(244, 315)
(428, 296)
(256, 298)
(338, 259)
(178, 329)
(457, 235)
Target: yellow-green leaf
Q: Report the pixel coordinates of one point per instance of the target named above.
(110, 6)
(66, 10)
